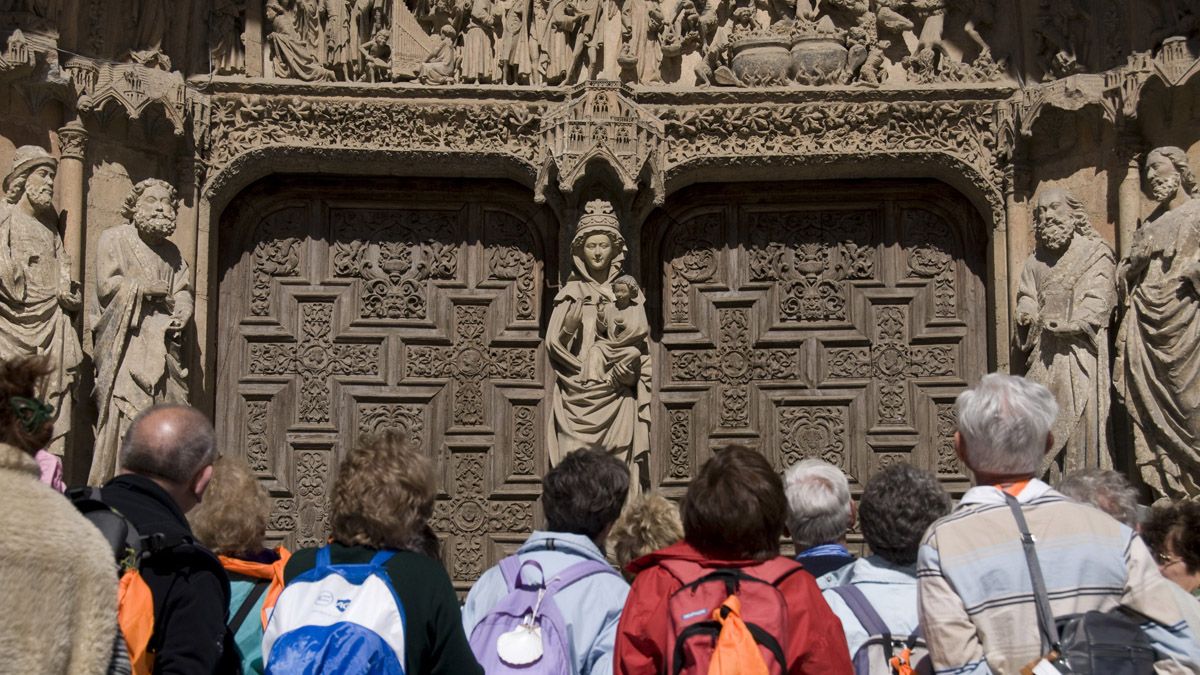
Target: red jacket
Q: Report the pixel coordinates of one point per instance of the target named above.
(816, 645)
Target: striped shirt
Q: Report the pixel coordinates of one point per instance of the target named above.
(976, 599)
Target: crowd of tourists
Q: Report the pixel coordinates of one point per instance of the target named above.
(164, 569)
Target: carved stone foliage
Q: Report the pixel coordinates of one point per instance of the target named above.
(240, 123)
(345, 315)
(968, 131)
(833, 327)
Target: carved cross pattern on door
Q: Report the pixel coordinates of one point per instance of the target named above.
(892, 363)
(468, 361)
(470, 515)
(734, 365)
(316, 357)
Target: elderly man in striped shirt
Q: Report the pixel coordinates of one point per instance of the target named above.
(977, 606)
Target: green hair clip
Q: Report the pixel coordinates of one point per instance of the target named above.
(31, 412)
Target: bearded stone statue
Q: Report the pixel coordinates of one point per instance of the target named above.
(36, 292)
(144, 302)
(1064, 305)
(1157, 373)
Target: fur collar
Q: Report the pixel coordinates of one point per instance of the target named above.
(13, 459)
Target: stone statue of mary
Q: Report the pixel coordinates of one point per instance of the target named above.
(601, 396)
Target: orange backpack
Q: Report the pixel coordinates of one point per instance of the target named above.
(135, 603)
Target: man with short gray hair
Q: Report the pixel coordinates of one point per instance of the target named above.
(166, 464)
(975, 595)
(819, 514)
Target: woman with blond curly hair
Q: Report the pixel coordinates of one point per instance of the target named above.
(382, 501)
(232, 523)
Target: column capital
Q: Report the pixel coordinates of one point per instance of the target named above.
(72, 140)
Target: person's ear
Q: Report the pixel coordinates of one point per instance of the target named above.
(853, 515)
(200, 481)
(960, 448)
(1049, 441)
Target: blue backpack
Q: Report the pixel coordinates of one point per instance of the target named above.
(342, 618)
(525, 632)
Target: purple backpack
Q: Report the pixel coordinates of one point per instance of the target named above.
(525, 632)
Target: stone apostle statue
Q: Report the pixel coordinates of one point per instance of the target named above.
(36, 292)
(597, 341)
(144, 301)
(1064, 305)
(1158, 347)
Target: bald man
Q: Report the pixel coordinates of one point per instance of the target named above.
(166, 463)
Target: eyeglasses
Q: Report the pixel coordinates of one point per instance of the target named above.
(1165, 560)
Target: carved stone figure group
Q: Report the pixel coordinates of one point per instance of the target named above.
(1067, 292)
(683, 42)
(142, 303)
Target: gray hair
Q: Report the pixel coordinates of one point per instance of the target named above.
(1004, 422)
(170, 442)
(1104, 489)
(818, 497)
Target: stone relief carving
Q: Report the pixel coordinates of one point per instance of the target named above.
(37, 297)
(597, 340)
(142, 306)
(226, 23)
(1063, 308)
(151, 21)
(1064, 305)
(679, 44)
(1157, 371)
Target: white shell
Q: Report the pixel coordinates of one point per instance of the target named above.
(520, 646)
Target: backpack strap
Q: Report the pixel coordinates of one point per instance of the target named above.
(862, 610)
(510, 569)
(380, 559)
(578, 571)
(260, 587)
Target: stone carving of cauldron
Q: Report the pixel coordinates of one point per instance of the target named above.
(762, 60)
(818, 59)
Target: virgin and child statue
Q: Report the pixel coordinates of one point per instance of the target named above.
(598, 341)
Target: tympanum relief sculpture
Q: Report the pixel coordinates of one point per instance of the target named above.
(143, 303)
(651, 42)
(597, 340)
(1064, 305)
(37, 296)
(1157, 371)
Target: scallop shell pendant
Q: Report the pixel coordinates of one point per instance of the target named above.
(520, 646)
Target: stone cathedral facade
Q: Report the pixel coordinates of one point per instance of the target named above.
(829, 206)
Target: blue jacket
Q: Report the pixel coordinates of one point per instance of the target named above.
(591, 607)
(892, 592)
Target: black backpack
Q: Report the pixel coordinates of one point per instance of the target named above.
(1092, 643)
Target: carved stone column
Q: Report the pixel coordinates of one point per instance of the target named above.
(1016, 200)
(72, 143)
(1129, 196)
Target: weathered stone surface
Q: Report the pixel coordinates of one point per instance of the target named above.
(597, 343)
(1158, 364)
(827, 205)
(1064, 307)
(37, 295)
(143, 305)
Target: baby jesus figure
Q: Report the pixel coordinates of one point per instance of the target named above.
(627, 331)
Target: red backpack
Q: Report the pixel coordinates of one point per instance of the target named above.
(705, 628)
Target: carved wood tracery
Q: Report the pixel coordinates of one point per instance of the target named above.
(836, 322)
(344, 314)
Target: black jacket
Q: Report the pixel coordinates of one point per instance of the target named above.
(190, 588)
